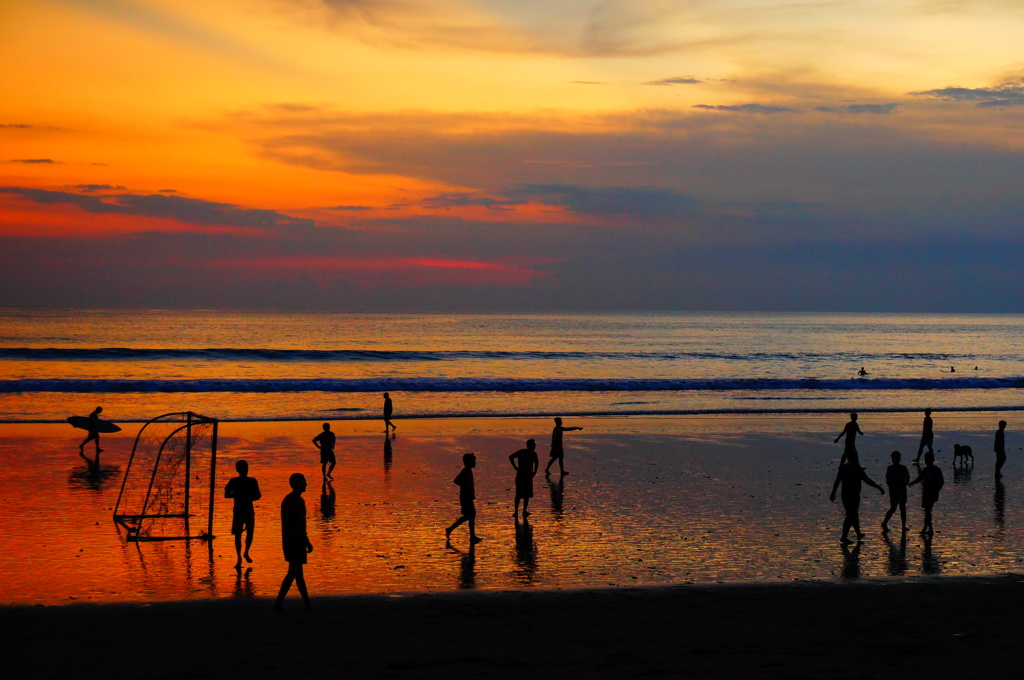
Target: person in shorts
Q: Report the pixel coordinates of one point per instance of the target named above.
(897, 476)
(525, 463)
(244, 490)
(325, 442)
(557, 452)
(467, 498)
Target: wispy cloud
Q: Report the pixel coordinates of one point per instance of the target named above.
(747, 108)
(876, 109)
(34, 161)
(679, 80)
(999, 96)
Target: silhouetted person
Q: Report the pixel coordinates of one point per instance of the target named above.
(1000, 448)
(927, 436)
(526, 464)
(850, 475)
(862, 371)
(850, 432)
(294, 540)
(93, 434)
(325, 442)
(557, 452)
(952, 369)
(388, 410)
(244, 490)
(897, 476)
(931, 481)
(467, 496)
(327, 500)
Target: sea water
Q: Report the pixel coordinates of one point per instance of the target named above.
(297, 366)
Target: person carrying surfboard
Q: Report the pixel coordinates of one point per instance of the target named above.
(94, 434)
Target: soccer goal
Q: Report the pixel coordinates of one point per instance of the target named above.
(168, 487)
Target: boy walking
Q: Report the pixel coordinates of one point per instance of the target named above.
(467, 496)
(244, 490)
(851, 474)
(1000, 448)
(931, 481)
(897, 476)
(294, 540)
(851, 431)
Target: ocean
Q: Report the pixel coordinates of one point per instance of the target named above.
(253, 366)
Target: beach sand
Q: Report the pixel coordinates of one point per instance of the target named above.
(937, 628)
(725, 520)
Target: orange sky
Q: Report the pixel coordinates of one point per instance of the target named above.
(697, 123)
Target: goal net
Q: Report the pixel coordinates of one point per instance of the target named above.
(168, 487)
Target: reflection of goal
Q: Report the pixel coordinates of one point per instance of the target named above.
(168, 486)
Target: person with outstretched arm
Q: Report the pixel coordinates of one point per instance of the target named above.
(851, 431)
(557, 451)
(850, 476)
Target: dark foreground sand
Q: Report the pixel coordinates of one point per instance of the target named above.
(944, 628)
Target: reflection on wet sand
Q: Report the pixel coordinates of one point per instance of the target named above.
(525, 554)
(930, 563)
(645, 509)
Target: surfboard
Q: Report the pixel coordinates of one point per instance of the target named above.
(102, 426)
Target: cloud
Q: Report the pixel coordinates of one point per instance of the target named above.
(350, 207)
(1007, 94)
(681, 80)
(15, 126)
(610, 200)
(876, 109)
(98, 187)
(747, 108)
(463, 200)
(587, 82)
(33, 161)
(188, 210)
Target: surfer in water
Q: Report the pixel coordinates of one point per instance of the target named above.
(93, 435)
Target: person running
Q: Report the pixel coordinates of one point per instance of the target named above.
(388, 410)
(931, 481)
(1000, 448)
(557, 452)
(850, 432)
(897, 476)
(325, 442)
(850, 475)
(467, 496)
(244, 490)
(93, 433)
(526, 464)
(294, 540)
(926, 435)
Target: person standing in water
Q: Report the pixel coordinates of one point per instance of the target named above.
(850, 475)
(325, 442)
(244, 490)
(526, 464)
(931, 481)
(1000, 448)
(294, 540)
(93, 433)
(388, 410)
(926, 435)
(557, 452)
(850, 432)
(897, 476)
(467, 496)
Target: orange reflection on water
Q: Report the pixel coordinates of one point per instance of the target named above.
(647, 501)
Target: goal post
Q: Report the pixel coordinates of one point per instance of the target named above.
(169, 483)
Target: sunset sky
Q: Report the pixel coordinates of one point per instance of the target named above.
(848, 155)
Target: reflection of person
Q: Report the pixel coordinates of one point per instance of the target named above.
(557, 452)
(926, 435)
(244, 490)
(850, 432)
(931, 481)
(525, 463)
(1000, 448)
(467, 496)
(325, 442)
(850, 475)
(93, 434)
(897, 476)
(388, 410)
(294, 540)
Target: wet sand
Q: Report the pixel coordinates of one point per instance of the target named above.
(945, 628)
